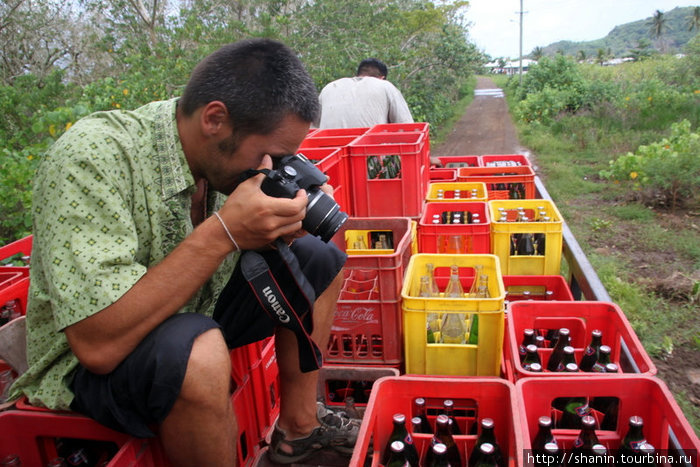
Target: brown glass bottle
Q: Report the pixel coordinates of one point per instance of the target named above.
(555, 359)
(400, 433)
(486, 435)
(590, 354)
(444, 436)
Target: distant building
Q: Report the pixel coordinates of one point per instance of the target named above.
(511, 67)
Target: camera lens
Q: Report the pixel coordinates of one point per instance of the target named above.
(323, 215)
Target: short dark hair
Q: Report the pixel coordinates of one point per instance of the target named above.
(372, 67)
(260, 81)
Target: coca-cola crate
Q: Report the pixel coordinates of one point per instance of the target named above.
(456, 162)
(436, 174)
(502, 182)
(545, 288)
(503, 160)
(337, 382)
(33, 436)
(611, 402)
(367, 324)
(459, 192)
(9, 277)
(468, 359)
(504, 235)
(455, 238)
(581, 318)
(474, 399)
(244, 358)
(266, 389)
(333, 162)
(404, 194)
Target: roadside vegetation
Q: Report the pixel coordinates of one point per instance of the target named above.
(62, 61)
(619, 151)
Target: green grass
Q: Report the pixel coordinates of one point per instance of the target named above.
(441, 132)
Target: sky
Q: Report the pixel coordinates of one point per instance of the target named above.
(495, 24)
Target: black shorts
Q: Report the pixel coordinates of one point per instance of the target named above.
(141, 391)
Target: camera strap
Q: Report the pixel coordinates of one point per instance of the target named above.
(275, 303)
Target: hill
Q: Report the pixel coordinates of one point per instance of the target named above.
(625, 39)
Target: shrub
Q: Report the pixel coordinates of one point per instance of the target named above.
(666, 172)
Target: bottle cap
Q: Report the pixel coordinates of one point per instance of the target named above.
(397, 446)
(611, 368)
(588, 421)
(636, 420)
(551, 448)
(486, 448)
(544, 421)
(487, 423)
(531, 348)
(399, 418)
(439, 449)
(571, 367)
(605, 349)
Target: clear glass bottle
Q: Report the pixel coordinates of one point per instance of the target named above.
(454, 286)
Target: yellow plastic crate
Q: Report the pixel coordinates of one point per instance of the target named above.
(480, 359)
(367, 237)
(449, 188)
(414, 237)
(501, 234)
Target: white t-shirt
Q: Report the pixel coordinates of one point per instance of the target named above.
(362, 101)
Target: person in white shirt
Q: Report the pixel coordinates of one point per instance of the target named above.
(363, 100)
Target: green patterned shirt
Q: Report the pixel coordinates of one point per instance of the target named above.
(111, 198)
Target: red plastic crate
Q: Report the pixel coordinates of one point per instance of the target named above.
(367, 324)
(581, 318)
(538, 286)
(335, 166)
(336, 382)
(642, 395)
(435, 238)
(487, 159)
(17, 290)
(458, 161)
(495, 177)
(331, 141)
(247, 444)
(437, 174)
(474, 398)
(334, 132)
(22, 246)
(8, 278)
(403, 196)
(418, 127)
(266, 389)
(32, 435)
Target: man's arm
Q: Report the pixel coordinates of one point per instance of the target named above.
(104, 339)
(398, 108)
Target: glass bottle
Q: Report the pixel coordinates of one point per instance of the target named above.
(435, 290)
(555, 358)
(634, 438)
(419, 410)
(536, 368)
(443, 435)
(400, 433)
(486, 436)
(448, 408)
(525, 245)
(600, 456)
(531, 356)
(473, 329)
(552, 456)
(360, 243)
(11, 460)
(528, 339)
(574, 411)
(439, 458)
(603, 359)
(452, 330)
(454, 286)
(426, 289)
(478, 272)
(397, 456)
(590, 355)
(583, 445)
(487, 456)
(568, 358)
(544, 435)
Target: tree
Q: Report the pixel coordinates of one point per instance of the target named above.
(537, 53)
(658, 27)
(601, 56)
(694, 20)
(581, 55)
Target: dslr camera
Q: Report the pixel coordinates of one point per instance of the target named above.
(294, 172)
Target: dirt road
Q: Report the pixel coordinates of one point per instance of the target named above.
(485, 128)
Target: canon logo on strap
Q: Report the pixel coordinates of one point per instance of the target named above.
(274, 301)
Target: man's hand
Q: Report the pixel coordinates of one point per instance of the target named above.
(256, 220)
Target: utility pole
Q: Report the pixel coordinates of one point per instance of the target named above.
(521, 12)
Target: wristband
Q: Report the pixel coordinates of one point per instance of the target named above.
(228, 232)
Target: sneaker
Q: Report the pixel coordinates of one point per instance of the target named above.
(336, 431)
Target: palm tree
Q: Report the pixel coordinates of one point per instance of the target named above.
(537, 53)
(601, 57)
(581, 56)
(658, 24)
(694, 20)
